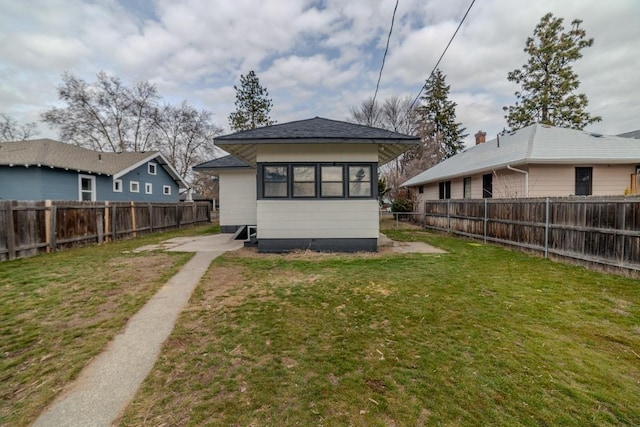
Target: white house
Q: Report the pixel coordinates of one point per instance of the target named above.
(535, 161)
(309, 184)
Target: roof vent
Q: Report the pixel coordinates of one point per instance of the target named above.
(596, 135)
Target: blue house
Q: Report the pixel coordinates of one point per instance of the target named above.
(44, 169)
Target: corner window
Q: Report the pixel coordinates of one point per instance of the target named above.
(148, 188)
(487, 186)
(87, 188)
(117, 186)
(467, 188)
(134, 187)
(304, 181)
(421, 189)
(360, 181)
(444, 190)
(153, 168)
(166, 190)
(584, 181)
(275, 181)
(331, 181)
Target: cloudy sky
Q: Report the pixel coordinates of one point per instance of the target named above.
(316, 57)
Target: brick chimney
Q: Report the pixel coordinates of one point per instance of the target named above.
(480, 137)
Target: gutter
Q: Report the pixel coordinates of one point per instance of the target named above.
(526, 179)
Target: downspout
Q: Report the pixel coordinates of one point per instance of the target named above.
(526, 179)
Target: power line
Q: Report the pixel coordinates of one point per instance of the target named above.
(443, 52)
(386, 49)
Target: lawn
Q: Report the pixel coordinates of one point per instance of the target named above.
(59, 310)
(478, 336)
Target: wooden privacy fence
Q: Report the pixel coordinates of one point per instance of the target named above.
(28, 228)
(604, 231)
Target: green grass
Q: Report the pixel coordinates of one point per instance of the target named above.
(478, 336)
(59, 310)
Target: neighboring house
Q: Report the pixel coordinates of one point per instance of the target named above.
(309, 184)
(633, 134)
(44, 169)
(535, 161)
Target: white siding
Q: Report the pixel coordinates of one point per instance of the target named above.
(550, 181)
(291, 219)
(317, 153)
(238, 197)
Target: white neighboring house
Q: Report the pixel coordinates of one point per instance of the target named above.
(309, 184)
(535, 161)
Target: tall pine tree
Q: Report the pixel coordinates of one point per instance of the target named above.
(547, 79)
(438, 117)
(252, 105)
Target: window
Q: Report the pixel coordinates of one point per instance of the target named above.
(166, 190)
(275, 181)
(360, 181)
(117, 186)
(134, 187)
(87, 188)
(148, 188)
(445, 189)
(304, 181)
(467, 188)
(153, 168)
(584, 178)
(331, 181)
(421, 189)
(487, 186)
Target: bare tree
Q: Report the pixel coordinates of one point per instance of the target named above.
(10, 130)
(367, 113)
(105, 115)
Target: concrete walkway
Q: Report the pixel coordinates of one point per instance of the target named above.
(110, 381)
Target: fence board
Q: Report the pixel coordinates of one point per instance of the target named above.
(600, 230)
(31, 227)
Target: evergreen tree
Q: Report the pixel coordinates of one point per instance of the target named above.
(547, 79)
(440, 114)
(252, 105)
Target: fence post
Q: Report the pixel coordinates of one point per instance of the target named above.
(546, 229)
(178, 216)
(47, 225)
(53, 227)
(150, 217)
(100, 225)
(133, 219)
(485, 220)
(11, 238)
(113, 223)
(449, 215)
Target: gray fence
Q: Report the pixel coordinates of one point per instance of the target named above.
(29, 228)
(603, 231)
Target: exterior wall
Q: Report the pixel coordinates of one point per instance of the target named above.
(336, 223)
(237, 198)
(42, 183)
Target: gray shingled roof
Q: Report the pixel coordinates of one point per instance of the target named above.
(535, 144)
(226, 162)
(56, 154)
(633, 134)
(316, 131)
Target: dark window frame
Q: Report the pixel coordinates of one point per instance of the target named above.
(287, 181)
(421, 189)
(466, 184)
(292, 168)
(318, 173)
(581, 185)
(487, 186)
(444, 190)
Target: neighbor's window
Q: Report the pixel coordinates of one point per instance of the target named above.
(584, 181)
(360, 181)
(153, 168)
(275, 181)
(117, 186)
(467, 188)
(134, 187)
(445, 189)
(304, 181)
(148, 188)
(166, 190)
(87, 184)
(331, 181)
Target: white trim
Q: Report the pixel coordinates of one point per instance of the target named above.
(117, 183)
(148, 188)
(166, 190)
(131, 185)
(92, 179)
(154, 166)
(162, 161)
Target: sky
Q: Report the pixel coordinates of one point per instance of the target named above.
(315, 57)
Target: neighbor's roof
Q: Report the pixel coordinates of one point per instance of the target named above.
(316, 131)
(633, 134)
(56, 154)
(535, 144)
(226, 162)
